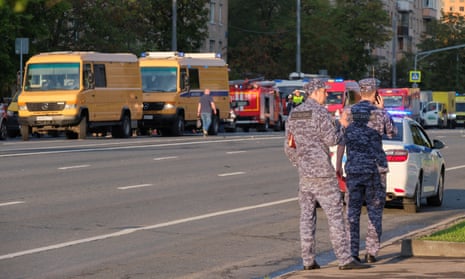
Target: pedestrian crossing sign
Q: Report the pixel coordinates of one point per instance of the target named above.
(415, 76)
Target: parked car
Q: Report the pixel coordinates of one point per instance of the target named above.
(416, 166)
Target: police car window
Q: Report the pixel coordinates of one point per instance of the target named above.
(418, 136)
(400, 133)
(425, 137)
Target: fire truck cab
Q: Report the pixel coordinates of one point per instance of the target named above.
(254, 104)
(402, 101)
(340, 94)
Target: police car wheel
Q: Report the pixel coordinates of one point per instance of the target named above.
(412, 205)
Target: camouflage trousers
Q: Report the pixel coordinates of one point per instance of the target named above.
(370, 188)
(326, 192)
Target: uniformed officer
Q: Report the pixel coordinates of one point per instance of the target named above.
(366, 165)
(297, 99)
(313, 131)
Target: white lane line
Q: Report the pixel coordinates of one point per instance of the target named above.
(150, 227)
(11, 203)
(455, 168)
(74, 167)
(235, 152)
(231, 173)
(165, 158)
(253, 138)
(134, 186)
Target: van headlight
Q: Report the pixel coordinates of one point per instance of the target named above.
(70, 106)
(169, 106)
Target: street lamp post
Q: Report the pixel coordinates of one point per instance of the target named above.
(298, 67)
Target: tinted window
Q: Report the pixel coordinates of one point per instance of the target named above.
(100, 77)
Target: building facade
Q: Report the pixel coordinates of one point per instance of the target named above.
(217, 40)
(453, 6)
(409, 19)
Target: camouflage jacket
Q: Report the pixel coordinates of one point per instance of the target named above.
(363, 138)
(314, 132)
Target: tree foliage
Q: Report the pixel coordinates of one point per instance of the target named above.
(338, 38)
(100, 25)
(444, 70)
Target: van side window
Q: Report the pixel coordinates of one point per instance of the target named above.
(184, 80)
(99, 75)
(194, 79)
(87, 75)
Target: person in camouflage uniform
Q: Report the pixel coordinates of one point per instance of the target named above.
(366, 166)
(313, 131)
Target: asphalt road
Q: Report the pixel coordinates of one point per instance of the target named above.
(153, 207)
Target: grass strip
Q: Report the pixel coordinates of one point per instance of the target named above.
(455, 233)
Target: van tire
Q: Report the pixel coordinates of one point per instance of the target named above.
(82, 128)
(178, 126)
(25, 131)
(123, 130)
(215, 126)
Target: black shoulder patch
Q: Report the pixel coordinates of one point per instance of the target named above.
(296, 115)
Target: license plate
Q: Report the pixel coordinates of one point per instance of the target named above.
(148, 116)
(44, 118)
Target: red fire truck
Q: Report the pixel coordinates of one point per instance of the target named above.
(340, 94)
(254, 104)
(402, 101)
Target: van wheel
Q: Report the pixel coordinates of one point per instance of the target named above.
(215, 126)
(124, 129)
(25, 131)
(82, 128)
(178, 126)
(264, 127)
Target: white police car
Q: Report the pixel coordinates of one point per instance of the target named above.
(416, 166)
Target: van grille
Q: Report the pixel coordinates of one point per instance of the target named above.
(45, 106)
(154, 106)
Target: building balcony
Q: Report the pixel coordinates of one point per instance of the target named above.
(429, 13)
(404, 6)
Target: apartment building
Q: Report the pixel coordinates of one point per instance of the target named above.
(217, 40)
(454, 6)
(408, 19)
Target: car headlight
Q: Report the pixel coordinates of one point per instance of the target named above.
(169, 106)
(70, 106)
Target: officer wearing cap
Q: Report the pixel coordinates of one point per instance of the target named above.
(366, 165)
(313, 131)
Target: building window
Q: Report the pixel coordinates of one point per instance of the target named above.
(212, 12)
(220, 15)
(461, 9)
(212, 46)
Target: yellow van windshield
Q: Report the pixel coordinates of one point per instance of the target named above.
(159, 79)
(52, 76)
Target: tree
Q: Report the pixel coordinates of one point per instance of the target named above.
(444, 70)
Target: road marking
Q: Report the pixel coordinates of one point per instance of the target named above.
(235, 152)
(11, 203)
(165, 158)
(150, 227)
(253, 138)
(74, 167)
(134, 186)
(455, 168)
(231, 173)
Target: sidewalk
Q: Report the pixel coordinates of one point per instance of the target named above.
(398, 259)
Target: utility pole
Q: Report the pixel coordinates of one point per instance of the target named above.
(173, 28)
(298, 67)
(394, 50)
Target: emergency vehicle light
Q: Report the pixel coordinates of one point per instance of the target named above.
(399, 112)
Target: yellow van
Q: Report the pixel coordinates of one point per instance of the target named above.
(172, 83)
(81, 92)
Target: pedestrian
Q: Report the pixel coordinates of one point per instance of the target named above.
(205, 109)
(366, 165)
(309, 133)
(297, 99)
(289, 104)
